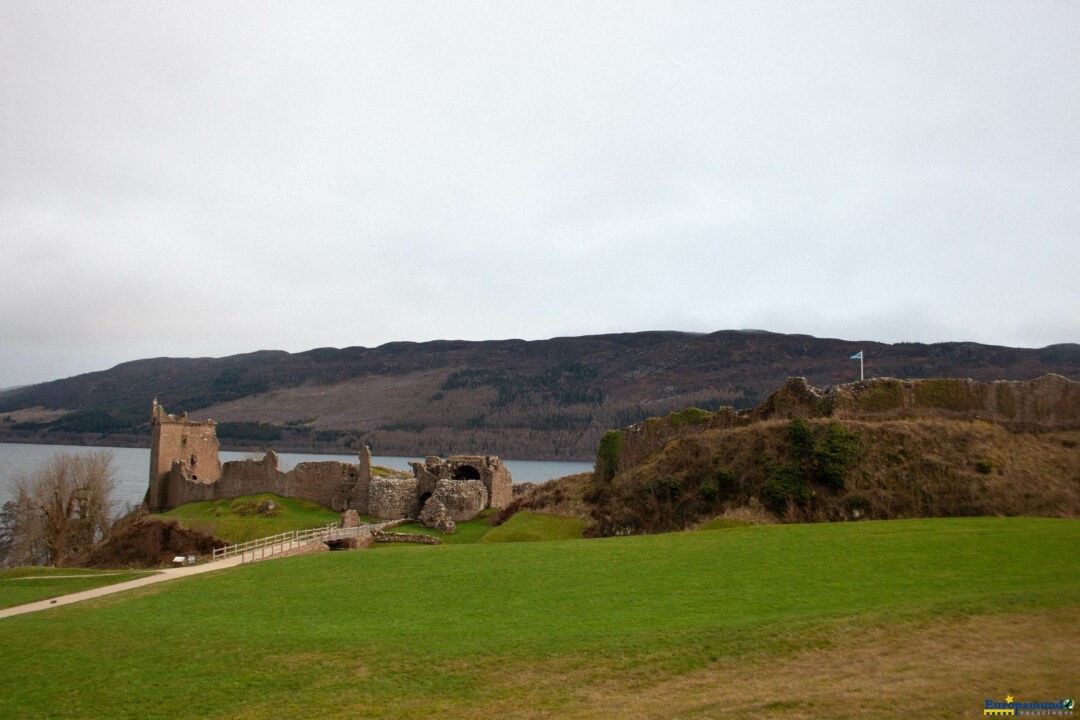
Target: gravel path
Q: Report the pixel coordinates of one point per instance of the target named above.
(267, 553)
(162, 576)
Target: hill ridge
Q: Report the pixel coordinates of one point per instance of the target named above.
(541, 399)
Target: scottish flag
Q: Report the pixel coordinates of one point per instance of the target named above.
(856, 356)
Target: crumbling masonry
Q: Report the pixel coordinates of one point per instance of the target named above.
(184, 468)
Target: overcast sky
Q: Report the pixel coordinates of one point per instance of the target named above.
(207, 178)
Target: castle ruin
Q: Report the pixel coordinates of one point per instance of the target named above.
(185, 468)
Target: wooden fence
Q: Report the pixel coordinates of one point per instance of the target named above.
(276, 544)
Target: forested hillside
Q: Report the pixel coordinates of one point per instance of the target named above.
(549, 399)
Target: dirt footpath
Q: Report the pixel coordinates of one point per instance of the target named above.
(161, 576)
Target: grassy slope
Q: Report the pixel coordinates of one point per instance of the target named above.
(467, 532)
(534, 527)
(903, 469)
(29, 584)
(225, 519)
(566, 628)
(522, 527)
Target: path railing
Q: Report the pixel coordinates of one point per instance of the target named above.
(275, 544)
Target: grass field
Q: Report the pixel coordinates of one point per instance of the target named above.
(534, 527)
(923, 618)
(29, 584)
(467, 532)
(522, 527)
(237, 519)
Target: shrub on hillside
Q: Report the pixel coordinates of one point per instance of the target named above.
(833, 455)
(607, 455)
(785, 489)
(689, 416)
(824, 461)
(140, 541)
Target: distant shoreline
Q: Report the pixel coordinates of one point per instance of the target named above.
(314, 448)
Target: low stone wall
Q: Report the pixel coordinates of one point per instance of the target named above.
(417, 538)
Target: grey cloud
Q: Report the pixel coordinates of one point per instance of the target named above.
(198, 178)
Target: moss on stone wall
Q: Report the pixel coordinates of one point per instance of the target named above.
(1006, 400)
(881, 396)
(950, 394)
(689, 416)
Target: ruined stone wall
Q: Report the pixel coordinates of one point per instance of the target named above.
(334, 484)
(429, 473)
(643, 438)
(185, 468)
(359, 495)
(393, 498)
(330, 484)
(243, 477)
(180, 489)
(462, 499)
(500, 486)
(1050, 402)
(488, 469)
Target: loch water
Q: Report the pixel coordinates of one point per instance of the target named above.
(132, 466)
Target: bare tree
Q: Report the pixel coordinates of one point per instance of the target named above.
(59, 509)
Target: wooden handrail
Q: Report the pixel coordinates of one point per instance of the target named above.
(331, 531)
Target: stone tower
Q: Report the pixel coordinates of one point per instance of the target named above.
(176, 440)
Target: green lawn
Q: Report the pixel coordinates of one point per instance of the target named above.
(235, 519)
(722, 524)
(29, 584)
(522, 527)
(533, 527)
(468, 532)
(526, 629)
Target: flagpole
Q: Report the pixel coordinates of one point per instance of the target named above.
(859, 355)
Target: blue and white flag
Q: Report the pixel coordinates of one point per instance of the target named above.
(856, 356)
